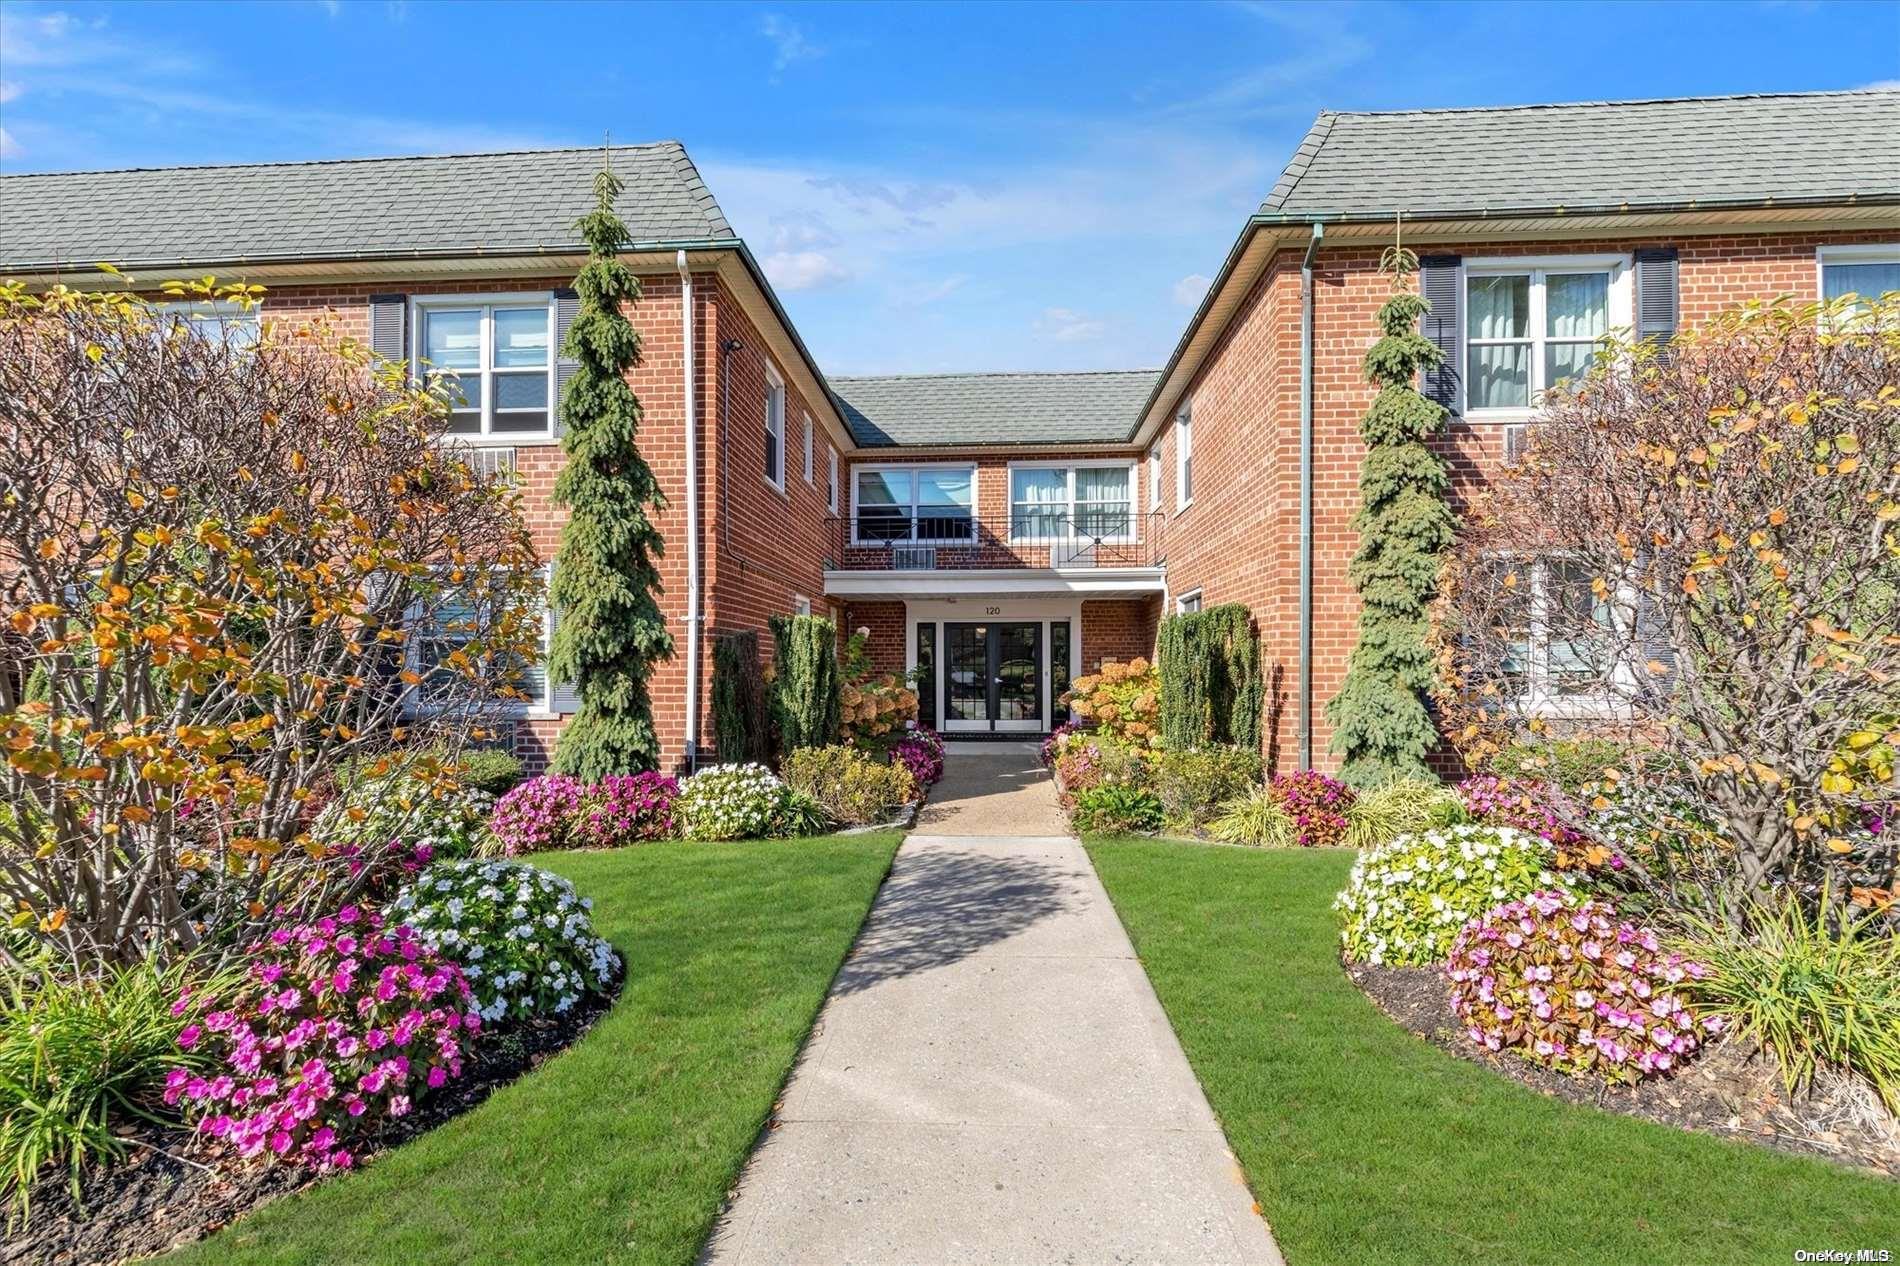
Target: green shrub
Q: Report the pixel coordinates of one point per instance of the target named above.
(1211, 688)
(1192, 785)
(1572, 764)
(1406, 900)
(799, 814)
(740, 729)
(1809, 994)
(491, 771)
(1256, 818)
(850, 784)
(80, 1057)
(805, 683)
(1116, 809)
(411, 806)
(1399, 808)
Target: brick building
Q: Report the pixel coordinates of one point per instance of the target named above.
(1004, 532)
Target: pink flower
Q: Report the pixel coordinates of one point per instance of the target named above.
(189, 1035)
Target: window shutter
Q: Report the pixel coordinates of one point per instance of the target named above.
(388, 326)
(1444, 324)
(1656, 294)
(567, 305)
(565, 696)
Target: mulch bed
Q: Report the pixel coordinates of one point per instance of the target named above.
(163, 1195)
(1728, 1090)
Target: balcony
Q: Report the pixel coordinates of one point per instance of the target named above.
(890, 538)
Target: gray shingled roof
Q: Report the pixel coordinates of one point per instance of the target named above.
(352, 208)
(1822, 146)
(950, 409)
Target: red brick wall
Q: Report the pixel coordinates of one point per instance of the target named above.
(885, 620)
(1118, 630)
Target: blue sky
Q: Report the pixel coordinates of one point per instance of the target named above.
(932, 187)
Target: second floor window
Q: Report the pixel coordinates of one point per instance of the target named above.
(1049, 503)
(774, 429)
(1865, 272)
(1183, 457)
(221, 319)
(831, 480)
(1529, 330)
(917, 503)
(502, 355)
(808, 448)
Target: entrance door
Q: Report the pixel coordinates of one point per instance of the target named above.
(992, 677)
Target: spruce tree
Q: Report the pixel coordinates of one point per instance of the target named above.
(1380, 722)
(610, 632)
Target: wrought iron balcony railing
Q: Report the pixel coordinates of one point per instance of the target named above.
(943, 538)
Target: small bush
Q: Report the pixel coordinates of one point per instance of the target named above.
(1809, 994)
(1100, 761)
(851, 785)
(1053, 745)
(538, 815)
(804, 694)
(1193, 785)
(732, 802)
(523, 938)
(1407, 899)
(921, 752)
(342, 1023)
(1116, 809)
(490, 771)
(1317, 804)
(1399, 808)
(1123, 700)
(800, 815)
(411, 806)
(1256, 818)
(1568, 764)
(1571, 987)
(625, 809)
(80, 1058)
(1537, 807)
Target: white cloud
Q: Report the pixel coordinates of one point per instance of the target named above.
(9, 148)
(925, 294)
(1066, 325)
(1881, 85)
(804, 270)
(789, 42)
(1189, 291)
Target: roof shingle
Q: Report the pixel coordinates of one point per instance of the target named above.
(951, 409)
(351, 208)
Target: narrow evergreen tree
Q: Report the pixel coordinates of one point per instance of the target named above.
(1379, 718)
(610, 632)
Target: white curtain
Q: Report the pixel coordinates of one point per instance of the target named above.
(1039, 502)
(1103, 503)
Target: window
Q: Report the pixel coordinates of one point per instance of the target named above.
(501, 351)
(1183, 458)
(1865, 272)
(1189, 602)
(1553, 627)
(454, 621)
(831, 484)
(913, 503)
(801, 605)
(774, 429)
(808, 448)
(1530, 325)
(1154, 476)
(223, 319)
(1048, 503)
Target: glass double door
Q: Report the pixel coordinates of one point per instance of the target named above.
(992, 676)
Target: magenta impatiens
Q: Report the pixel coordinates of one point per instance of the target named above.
(1575, 988)
(1316, 803)
(343, 1024)
(921, 752)
(537, 815)
(625, 809)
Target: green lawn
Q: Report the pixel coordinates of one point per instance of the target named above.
(1364, 1144)
(621, 1148)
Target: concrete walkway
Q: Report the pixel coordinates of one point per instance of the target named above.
(993, 789)
(992, 1078)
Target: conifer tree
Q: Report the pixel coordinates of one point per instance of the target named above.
(1379, 718)
(610, 630)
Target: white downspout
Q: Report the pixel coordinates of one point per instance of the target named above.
(692, 517)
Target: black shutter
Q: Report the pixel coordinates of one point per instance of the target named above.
(1657, 306)
(1444, 325)
(388, 326)
(567, 305)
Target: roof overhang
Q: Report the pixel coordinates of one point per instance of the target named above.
(1266, 235)
(1010, 448)
(1016, 582)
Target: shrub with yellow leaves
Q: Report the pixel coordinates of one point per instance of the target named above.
(1122, 700)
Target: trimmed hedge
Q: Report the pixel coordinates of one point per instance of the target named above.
(805, 684)
(1211, 688)
(740, 729)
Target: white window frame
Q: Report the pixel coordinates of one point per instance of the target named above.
(808, 451)
(912, 468)
(775, 425)
(1621, 316)
(1860, 253)
(1069, 512)
(1154, 476)
(1187, 603)
(419, 305)
(532, 708)
(1184, 457)
(1543, 696)
(831, 487)
(801, 605)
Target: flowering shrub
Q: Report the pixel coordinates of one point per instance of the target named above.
(450, 819)
(1116, 809)
(1317, 804)
(1123, 700)
(344, 1022)
(1058, 738)
(625, 808)
(1095, 762)
(850, 784)
(921, 752)
(538, 815)
(523, 938)
(1407, 899)
(1528, 805)
(731, 802)
(1569, 986)
(875, 707)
